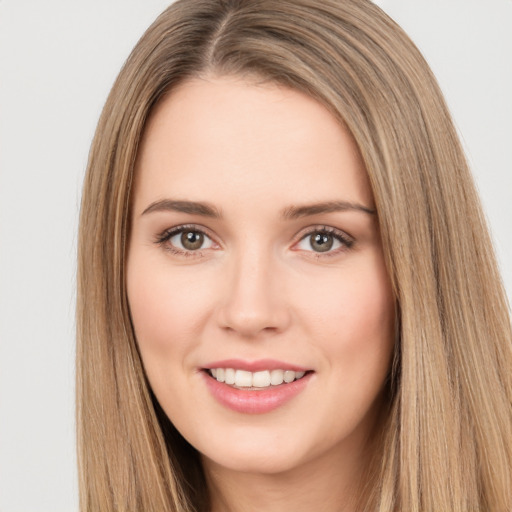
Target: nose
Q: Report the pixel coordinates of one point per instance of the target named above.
(254, 299)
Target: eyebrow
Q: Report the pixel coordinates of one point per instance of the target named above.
(295, 212)
(289, 213)
(192, 207)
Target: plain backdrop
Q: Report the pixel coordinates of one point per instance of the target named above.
(58, 60)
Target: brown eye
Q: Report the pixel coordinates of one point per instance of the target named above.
(325, 240)
(321, 242)
(192, 240)
(187, 240)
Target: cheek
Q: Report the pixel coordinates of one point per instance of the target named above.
(354, 317)
(167, 310)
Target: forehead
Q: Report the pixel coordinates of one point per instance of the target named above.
(227, 137)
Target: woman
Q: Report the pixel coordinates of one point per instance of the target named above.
(287, 294)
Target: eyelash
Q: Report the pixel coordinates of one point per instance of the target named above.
(166, 236)
(345, 241)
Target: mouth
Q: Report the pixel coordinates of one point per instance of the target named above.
(255, 381)
(255, 387)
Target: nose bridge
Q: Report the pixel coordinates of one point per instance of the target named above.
(253, 300)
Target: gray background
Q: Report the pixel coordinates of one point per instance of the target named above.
(58, 60)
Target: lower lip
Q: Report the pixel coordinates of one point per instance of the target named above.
(255, 401)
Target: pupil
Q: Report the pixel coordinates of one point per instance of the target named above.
(321, 242)
(192, 240)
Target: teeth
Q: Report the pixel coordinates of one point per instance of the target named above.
(262, 379)
(289, 376)
(276, 377)
(229, 376)
(243, 379)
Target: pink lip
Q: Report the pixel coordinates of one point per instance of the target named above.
(254, 401)
(255, 366)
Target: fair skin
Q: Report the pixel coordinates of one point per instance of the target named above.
(230, 265)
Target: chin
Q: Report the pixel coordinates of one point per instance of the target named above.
(252, 450)
(263, 462)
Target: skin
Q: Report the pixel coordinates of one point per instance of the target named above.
(258, 289)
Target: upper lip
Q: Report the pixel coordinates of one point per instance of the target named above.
(255, 366)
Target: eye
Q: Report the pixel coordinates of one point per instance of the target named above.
(325, 240)
(190, 240)
(185, 239)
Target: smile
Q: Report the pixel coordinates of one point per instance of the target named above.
(255, 387)
(243, 379)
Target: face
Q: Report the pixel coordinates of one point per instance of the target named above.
(255, 275)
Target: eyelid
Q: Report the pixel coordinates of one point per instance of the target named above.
(167, 234)
(344, 238)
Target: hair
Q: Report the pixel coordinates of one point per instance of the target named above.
(446, 444)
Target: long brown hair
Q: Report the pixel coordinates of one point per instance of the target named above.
(448, 439)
